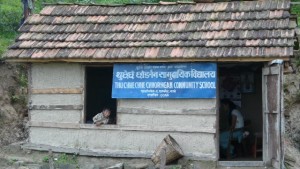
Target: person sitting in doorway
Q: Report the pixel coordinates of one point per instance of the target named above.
(102, 118)
(235, 129)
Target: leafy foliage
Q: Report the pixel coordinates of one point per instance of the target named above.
(11, 13)
(296, 10)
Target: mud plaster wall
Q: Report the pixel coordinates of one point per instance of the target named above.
(141, 124)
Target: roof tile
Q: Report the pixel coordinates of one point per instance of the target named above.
(141, 52)
(39, 53)
(25, 36)
(177, 52)
(64, 53)
(80, 10)
(76, 53)
(245, 6)
(126, 52)
(151, 52)
(273, 4)
(13, 53)
(47, 10)
(100, 53)
(71, 28)
(219, 7)
(208, 7)
(58, 20)
(284, 5)
(26, 44)
(27, 53)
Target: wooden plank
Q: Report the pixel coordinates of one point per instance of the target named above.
(146, 111)
(56, 107)
(83, 94)
(57, 91)
(108, 153)
(228, 59)
(271, 70)
(87, 152)
(241, 164)
(123, 128)
(273, 147)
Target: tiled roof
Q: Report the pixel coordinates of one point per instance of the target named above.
(247, 29)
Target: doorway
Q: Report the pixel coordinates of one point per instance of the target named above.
(241, 84)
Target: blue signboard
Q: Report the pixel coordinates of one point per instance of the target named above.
(164, 80)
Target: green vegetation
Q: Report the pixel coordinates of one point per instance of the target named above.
(176, 167)
(62, 159)
(19, 95)
(45, 159)
(296, 10)
(10, 12)
(67, 159)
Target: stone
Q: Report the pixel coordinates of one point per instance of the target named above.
(65, 166)
(19, 163)
(204, 164)
(88, 166)
(116, 166)
(136, 166)
(33, 166)
(173, 167)
(23, 167)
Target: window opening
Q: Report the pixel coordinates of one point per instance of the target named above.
(98, 93)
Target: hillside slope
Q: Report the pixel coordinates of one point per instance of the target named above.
(13, 112)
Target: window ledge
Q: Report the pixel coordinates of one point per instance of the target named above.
(126, 128)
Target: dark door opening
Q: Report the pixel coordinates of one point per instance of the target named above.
(241, 84)
(98, 93)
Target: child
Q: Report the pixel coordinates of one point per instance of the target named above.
(102, 118)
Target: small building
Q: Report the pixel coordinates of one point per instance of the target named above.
(161, 69)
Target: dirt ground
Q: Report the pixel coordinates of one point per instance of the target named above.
(12, 105)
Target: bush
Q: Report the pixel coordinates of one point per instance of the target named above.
(11, 14)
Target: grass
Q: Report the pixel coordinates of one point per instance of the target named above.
(62, 159)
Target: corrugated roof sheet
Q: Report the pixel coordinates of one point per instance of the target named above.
(253, 29)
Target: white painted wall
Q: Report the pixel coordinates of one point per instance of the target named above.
(56, 116)
(178, 121)
(56, 75)
(56, 99)
(200, 145)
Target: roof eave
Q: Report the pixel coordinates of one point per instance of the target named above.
(153, 60)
